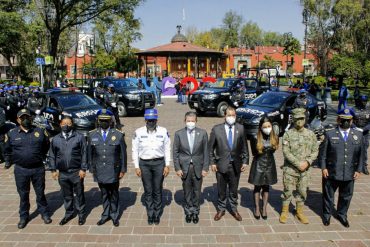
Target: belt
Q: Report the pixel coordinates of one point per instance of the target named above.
(155, 159)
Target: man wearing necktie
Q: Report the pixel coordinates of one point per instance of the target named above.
(107, 158)
(341, 163)
(191, 160)
(68, 155)
(228, 154)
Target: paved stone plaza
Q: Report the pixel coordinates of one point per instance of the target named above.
(173, 230)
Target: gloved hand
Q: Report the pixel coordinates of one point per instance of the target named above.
(114, 105)
(37, 112)
(101, 96)
(19, 104)
(8, 108)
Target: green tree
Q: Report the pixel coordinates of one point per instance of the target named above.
(268, 62)
(343, 66)
(231, 26)
(272, 39)
(251, 34)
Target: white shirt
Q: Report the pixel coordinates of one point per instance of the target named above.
(227, 127)
(151, 145)
(342, 131)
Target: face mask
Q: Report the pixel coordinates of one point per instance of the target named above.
(266, 131)
(151, 125)
(190, 125)
(345, 124)
(299, 123)
(66, 128)
(104, 125)
(26, 123)
(230, 120)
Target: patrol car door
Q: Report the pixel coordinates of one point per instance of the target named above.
(286, 112)
(52, 113)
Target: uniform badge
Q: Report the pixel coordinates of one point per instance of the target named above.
(355, 137)
(37, 134)
(114, 138)
(346, 111)
(6, 138)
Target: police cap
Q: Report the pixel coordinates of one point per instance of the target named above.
(151, 114)
(346, 113)
(23, 112)
(298, 113)
(110, 86)
(104, 114)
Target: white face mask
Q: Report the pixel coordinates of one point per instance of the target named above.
(230, 120)
(190, 125)
(266, 131)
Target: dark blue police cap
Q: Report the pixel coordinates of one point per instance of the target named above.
(346, 113)
(151, 114)
(104, 114)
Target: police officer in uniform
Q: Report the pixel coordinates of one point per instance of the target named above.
(108, 160)
(35, 103)
(301, 101)
(300, 149)
(151, 150)
(362, 122)
(4, 128)
(26, 147)
(111, 102)
(68, 155)
(341, 163)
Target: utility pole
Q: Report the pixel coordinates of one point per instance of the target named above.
(76, 50)
(305, 14)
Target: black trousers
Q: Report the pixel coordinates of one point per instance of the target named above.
(71, 184)
(23, 179)
(192, 190)
(329, 187)
(152, 177)
(230, 180)
(110, 198)
(114, 110)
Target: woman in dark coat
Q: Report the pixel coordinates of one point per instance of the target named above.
(263, 170)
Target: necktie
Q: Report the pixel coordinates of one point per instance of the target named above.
(345, 135)
(230, 137)
(104, 135)
(191, 140)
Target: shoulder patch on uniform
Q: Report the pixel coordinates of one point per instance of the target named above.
(6, 138)
(46, 133)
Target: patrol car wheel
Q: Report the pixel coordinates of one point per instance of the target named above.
(276, 129)
(122, 112)
(221, 108)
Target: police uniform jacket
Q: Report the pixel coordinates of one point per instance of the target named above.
(107, 158)
(34, 104)
(342, 159)
(68, 154)
(26, 149)
(111, 98)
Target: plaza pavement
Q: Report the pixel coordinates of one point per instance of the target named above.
(173, 230)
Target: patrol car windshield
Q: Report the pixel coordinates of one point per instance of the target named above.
(75, 101)
(123, 83)
(221, 83)
(250, 83)
(271, 100)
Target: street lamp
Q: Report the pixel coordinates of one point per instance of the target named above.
(305, 15)
(287, 39)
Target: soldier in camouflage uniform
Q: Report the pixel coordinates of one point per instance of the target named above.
(300, 149)
(362, 122)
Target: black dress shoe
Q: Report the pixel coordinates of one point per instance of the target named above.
(102, 221)
(195, 219)
(257, 217)
(81, 221)
(116, 223)
(46, 219)
(263, 216)
(156, 220)
(326, 222)
(22, 223)
(150, 220)
(65, 220)
(188, 218)
(344, 222)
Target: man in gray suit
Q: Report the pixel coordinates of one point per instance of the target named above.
(228, 157)
(191, 160)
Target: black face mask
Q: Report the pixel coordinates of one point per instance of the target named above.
(66, 128)
(104, 124)
(26, 123)
(345, 123)
(151, 125)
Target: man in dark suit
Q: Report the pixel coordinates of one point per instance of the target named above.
(228, 157)
(107, 158)
(191, 160)
(341, 163)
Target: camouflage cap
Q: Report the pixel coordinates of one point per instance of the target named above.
(298, 113)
